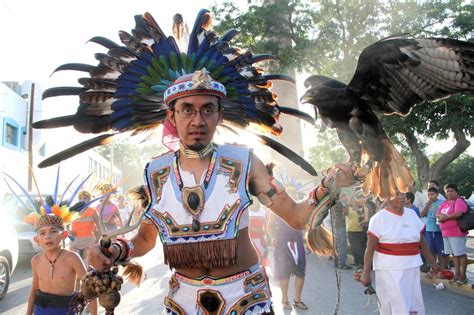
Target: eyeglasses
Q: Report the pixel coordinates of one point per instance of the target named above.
(188, 112)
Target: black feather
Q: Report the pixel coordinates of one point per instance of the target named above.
(107, 43)
(288, 153)
(297, 113)
(56, 122)
(63, 91)
(78, 148)
(74, 66)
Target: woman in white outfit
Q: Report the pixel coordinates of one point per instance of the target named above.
(395, 239)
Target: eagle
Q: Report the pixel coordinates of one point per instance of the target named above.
(392, 76)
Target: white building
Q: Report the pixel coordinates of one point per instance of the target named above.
(15, 101)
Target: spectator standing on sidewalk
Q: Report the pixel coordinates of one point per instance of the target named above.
(355, 220)
(338, 221)
(393, 248)
(289, 257)
(409, 203)
(453, 238)
(434, 239)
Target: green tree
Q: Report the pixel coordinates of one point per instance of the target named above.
(327, 151)
(461, 173)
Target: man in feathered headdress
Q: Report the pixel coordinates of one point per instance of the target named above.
(199, 192)
(199, 199)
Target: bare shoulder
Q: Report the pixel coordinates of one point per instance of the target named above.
(71, 256)
(35, 259)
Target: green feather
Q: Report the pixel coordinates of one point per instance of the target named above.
(190, 63)
(157, 66)
(147, 80)
(184, 60)
(155, 76)
(165, 65)
(143, 90)
(174, 61)
(200, 64)
(216, 73)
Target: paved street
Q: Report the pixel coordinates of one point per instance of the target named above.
(319, 294)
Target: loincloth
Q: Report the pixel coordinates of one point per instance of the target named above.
(247, 292)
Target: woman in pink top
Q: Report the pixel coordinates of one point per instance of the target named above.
(453, 238)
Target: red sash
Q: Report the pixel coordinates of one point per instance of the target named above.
(403, 249)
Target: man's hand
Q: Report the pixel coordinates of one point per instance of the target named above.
(99, 261)
(340, 175)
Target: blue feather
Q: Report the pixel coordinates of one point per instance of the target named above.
(229, 35)
(136, 70)
(25, 193)
(127, 84)
(125, 92)
(193, 40)
(123, 124)
(140, 63)
(67, 188)
(124, 112)
(47, 208)
(18, 197)
(121, 103)
(55, 196)
(129, 77)
(78, 189)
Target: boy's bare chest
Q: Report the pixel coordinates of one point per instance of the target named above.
(56, 272)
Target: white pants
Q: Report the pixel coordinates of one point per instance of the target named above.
(399, 291)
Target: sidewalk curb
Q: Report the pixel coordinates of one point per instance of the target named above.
(466, 289)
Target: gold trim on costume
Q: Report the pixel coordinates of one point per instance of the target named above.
(248, 301)
(158, 179)
(209, 227)
(234, 168)
(169, 303)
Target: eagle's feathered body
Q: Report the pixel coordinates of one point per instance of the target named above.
(392, 76)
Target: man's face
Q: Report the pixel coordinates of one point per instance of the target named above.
(195, 119)
(432, 196)
(49, 237)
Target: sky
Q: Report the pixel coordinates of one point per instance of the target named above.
(38, 36)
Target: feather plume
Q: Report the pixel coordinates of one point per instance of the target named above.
(79, 148)
(289, 154)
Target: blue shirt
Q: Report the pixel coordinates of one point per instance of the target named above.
(417, 211)
(431, 225)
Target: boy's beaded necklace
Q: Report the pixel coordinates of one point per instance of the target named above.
(52, 262)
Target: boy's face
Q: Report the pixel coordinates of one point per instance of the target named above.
(50, 237)
(432, 196)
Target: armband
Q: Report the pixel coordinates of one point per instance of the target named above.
(313, 199)
(265, 198)
(128, 251)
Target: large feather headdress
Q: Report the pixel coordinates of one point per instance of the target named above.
(125, 91)
(50, 210)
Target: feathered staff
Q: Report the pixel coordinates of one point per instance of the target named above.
(124, 92)
(392, 75)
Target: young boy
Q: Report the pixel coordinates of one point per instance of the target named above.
(54, 270)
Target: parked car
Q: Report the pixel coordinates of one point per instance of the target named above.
(8, 253)
(15, 211)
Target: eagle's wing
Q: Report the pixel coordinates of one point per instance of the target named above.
(396, 73)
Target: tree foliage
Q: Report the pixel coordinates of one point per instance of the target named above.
(461, 173)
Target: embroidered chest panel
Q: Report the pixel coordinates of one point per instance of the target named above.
(185, 212)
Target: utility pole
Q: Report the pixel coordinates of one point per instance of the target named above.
(30, 136)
